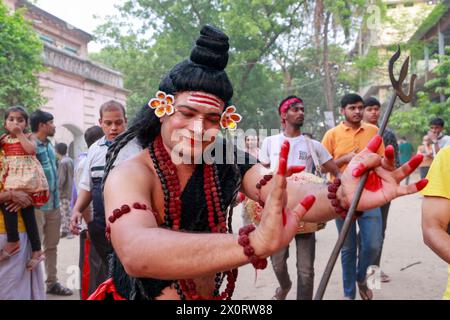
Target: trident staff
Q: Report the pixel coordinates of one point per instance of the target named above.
(398, 92)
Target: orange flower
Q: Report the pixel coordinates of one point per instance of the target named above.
(163, 104)
(230, 118)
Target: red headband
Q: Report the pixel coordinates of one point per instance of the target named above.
(283, 108)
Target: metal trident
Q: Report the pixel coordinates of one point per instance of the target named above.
(397, 85)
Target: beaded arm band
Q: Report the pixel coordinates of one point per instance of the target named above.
(332, 190)
(124, 209)
(261, 184)
(187, 286)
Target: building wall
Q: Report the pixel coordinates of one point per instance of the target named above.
(404, 17)
(74, 86)
(75, 104)
(60, 38)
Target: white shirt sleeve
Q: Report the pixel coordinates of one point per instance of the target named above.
(321, 152)
(131, 149)
(263, 155)
(85, 181)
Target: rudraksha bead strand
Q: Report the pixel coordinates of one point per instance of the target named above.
(265, 179)
(332, 195)
(244, 241)
(167, 173)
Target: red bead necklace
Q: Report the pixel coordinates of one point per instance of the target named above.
(167, 173)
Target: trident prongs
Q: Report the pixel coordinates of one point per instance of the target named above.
(398, 84)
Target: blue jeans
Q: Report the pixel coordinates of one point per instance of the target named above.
(370, 240)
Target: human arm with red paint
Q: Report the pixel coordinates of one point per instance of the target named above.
(436, 206)
(382, 186)
(192, 255)
(140, 244)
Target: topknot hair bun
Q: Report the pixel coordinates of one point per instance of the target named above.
(211, 48)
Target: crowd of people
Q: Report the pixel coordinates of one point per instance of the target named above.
(290, 185)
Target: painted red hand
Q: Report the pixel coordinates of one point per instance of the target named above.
(383, 184)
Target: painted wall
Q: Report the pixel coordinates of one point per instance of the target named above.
(74, 87)
(75, 104)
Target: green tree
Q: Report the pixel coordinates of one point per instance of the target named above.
(273, 52)
(144, 57)
(20, 61)
(333, 16)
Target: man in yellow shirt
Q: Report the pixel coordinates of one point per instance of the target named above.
(343, 142)
(436, 209)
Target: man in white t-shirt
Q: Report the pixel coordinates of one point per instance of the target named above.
(309, 153)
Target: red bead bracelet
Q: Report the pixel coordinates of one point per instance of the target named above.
(244, 241)
(332, 190)
(261, 184)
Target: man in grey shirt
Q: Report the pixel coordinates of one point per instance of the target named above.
(65, 183)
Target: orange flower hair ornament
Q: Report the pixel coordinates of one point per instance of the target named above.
(162, 104)
(230, 118)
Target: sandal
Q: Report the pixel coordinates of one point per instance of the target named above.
(32, 263)
(365, 292)
(384, 277)
(5, 255)
(280, 293)
(59, 290)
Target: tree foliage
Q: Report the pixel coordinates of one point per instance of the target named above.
(253, 29)
(272, 50)
(20, 61)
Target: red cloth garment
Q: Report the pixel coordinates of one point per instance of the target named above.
(106, 287)
(14, 149)
(86, 271)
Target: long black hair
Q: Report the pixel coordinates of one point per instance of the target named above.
(204, 71)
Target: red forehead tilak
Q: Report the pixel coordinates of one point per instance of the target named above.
(205, 100)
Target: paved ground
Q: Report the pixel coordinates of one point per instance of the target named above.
(426, 279)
